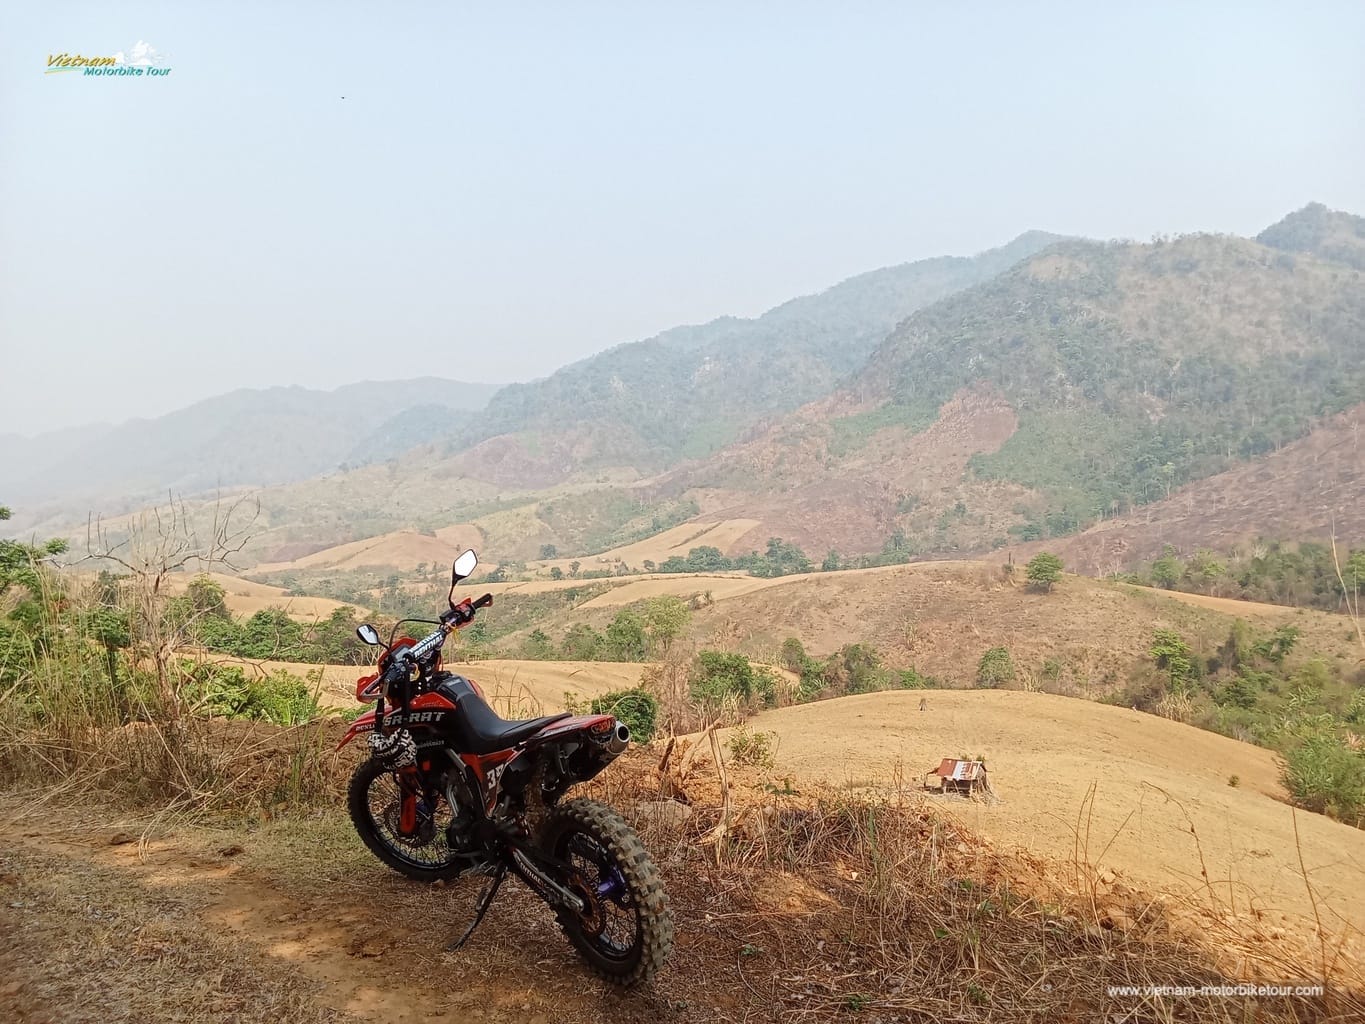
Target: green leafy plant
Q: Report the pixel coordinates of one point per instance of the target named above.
(1044, 570)
(995, 667)
(637, 708)
(751, 748)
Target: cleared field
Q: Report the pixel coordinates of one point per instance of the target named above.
(719, 587)
(243, 597)
(1230, 605)
(662, 546)
(517, 689)
(403, 550)
(1162, 798)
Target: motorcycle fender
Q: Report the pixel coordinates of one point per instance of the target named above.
(596, 725)
(365, 723)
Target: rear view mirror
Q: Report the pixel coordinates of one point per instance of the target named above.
(368, 634)
(464, 565)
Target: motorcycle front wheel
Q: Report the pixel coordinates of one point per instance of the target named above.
(625, 930)
(375, 802)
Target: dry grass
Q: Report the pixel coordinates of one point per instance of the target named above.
(1140, 780)
(790, 907)
(836, 902)
(80, 944)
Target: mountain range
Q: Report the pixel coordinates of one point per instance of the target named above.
(249, 437)
(948, 405)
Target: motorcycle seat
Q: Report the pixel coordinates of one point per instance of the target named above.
(485, 730)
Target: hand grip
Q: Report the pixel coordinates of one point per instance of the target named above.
(483, 602)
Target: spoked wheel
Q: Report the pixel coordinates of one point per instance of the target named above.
(375, 801)
(626, 929)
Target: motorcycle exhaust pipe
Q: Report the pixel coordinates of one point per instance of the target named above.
(620, 739)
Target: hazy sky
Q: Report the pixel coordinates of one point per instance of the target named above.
(509, 187)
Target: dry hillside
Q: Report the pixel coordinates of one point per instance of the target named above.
(1307, 490)
(1162, 808)
(941, 616)
(403, 550)
(516, 689)
(789, 479)
(245, 597)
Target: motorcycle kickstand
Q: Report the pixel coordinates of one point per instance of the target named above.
(485, 901)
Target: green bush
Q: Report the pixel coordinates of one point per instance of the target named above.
(1323, 774)
(812, 680)
(856, 668)
(1044, 570)
(717, 675)
(995, 667)
(754, 748)
(910, 679)
(625, 639)
(1172, 654)
(637, 708)
(582, 642)
(1239, 692)
(225, 691)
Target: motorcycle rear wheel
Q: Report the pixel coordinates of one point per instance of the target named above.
(625, 931)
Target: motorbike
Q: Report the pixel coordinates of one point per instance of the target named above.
(452, 790)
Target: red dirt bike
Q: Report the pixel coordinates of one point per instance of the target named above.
(452, 789)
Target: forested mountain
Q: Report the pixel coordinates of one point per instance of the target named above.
(1037, 389)
(1087, 380)
(1315, 229)
(246, 437)
(690, 390)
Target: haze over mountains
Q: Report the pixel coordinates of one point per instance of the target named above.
(636, 402)
(948, 405)
(256, 437)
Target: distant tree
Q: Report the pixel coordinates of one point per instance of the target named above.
(1172, 654)
(207, 597)
(1044, 570)
(573, 568)
(582, 643)
(1275, 647)
(716, 675)
(110, 627)
(781, 559)
(1205, 569)
(19, 562)
(476, 637)
(831, 562)
(556, 573)
(649, 566)
(549, 551)
(793, 654)
(538, 646)
(995, 667)
(626, 640)
(706, 559)
(1353, 575)
(665, 619)
(1167, 571)
(856, 668)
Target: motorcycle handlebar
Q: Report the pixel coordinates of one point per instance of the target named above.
(460, 615)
